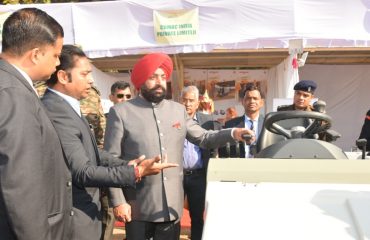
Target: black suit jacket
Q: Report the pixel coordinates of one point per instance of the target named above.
(84, 159)
(35, 194)
(238, 122)
(365, 131)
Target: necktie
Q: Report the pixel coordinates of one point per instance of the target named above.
(248, 153)
(252, 125)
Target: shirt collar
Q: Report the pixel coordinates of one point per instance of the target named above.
(28, 79)
(195, 117)
(249, 119)
(75, 104)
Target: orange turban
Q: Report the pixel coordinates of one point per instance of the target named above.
(147, 65)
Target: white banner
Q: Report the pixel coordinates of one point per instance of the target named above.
(176, 27)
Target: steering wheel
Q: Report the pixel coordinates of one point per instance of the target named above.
(321, 122)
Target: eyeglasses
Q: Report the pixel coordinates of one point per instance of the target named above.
(128, 96)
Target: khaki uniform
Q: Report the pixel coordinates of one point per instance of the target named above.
(292, 108)
(322, 135)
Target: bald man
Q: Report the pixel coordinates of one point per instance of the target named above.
(151, 125)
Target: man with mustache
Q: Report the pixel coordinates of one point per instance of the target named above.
(195, 162)
(253, 101)
(35, 195)
(90, 167)
(151, 125)
(303, 95)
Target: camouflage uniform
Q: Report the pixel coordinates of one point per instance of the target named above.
(40, 87)
(292, 108)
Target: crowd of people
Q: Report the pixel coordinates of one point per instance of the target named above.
(67, 171)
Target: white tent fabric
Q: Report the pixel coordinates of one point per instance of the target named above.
(280, 82)
(103, 82)
(115, 28)
(345, 89)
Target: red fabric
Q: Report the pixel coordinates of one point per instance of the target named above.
(295, 63)
(147, 65)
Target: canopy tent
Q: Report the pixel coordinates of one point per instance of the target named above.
(113, 28)
(245, 28)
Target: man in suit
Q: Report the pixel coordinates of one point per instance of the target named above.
(195, 162)
(92, 110)
(365, 130)
(35, 192)
(253, 101)
(151, 125)
(70, 83)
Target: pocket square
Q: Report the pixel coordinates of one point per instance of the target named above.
(177, 125)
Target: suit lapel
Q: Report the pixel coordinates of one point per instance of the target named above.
(241, 121)
(92, 136)
(74, 115)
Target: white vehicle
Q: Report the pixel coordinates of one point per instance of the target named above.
(297, 187)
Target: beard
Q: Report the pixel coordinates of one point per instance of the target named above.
(152, 96)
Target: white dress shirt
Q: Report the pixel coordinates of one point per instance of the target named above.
(75, 104)
(248, 124)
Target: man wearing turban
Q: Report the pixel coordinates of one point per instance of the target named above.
(151, 125)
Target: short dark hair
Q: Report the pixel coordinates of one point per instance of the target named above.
(122, 85)
(251, 87)
(68, 57)
(29, 28)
